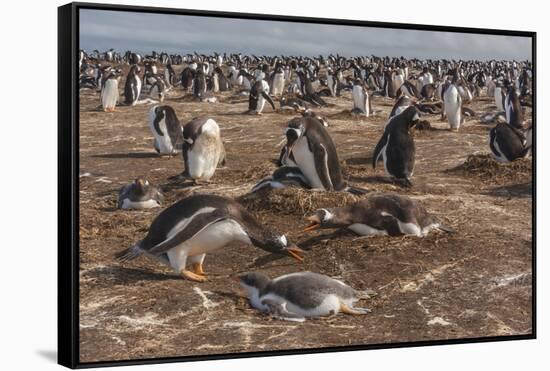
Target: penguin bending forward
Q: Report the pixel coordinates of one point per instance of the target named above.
(508, 144)
(396, 147)
(166, 129)
(198, 224)
(383, 214)
(202, 149)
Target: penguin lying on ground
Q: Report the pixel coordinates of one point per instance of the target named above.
(282, 177)
(396, 147)
(382, 214)
(508, 144)
(199, 224)
(139, 194)
(297, 296)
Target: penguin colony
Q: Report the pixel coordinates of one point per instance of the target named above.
(183, 233)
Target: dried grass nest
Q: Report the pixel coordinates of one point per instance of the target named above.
(484, 167)
(295, 201)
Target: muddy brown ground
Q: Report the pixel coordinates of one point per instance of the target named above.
(472, 283)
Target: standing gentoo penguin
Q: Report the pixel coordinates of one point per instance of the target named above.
(508, 143)
(202, 149)
(109, 91)
(166, 129)
(513, 109)
(259, 94)
(382, 214)
(361, 101)
(139, 194)
(202, 223)
(296, 296)
(452, 104)
(397, 146)
(132, 87)
(278, 81)
(311, 148)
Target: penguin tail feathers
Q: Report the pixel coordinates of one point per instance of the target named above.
(129, 253)
(356, 190)
(445, 228)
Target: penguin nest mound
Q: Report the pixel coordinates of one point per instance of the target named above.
(486, 168)
(257, 172)
(295, 200)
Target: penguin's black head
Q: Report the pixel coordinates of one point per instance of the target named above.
(293, 132)
(278, 244)
(325, 218)
(253, 280)
(411, 116)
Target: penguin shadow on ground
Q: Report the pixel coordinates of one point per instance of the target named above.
(523, 190)
(127, 155)
(124, 275)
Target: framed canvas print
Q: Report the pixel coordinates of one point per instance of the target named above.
(237, 185)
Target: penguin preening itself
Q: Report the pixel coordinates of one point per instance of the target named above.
(301, 295)
(109, 91)
(132, 87)
(198, 224)
(139, 194)
(311, 148)
(166, 129)
(283, 177)
(202, 149)
(383, 214)
(397, 146)
(508, 143)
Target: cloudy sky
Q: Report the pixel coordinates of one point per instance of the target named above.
(141, 32)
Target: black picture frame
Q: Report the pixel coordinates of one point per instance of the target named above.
(68, 185)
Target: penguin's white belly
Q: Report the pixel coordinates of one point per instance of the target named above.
(306, 162)
(330, 305)
(109, 94)
(406, 228)
(164, 143)
(138, 89)
(204, 157)
(498, 99)
(453, 106)
(358, 99)
(214, 237)
(278, 84)
(366, 230)
(149, 204)
(260, 105)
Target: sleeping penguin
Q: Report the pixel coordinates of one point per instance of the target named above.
(383, 214)
(396, 147)
(202, 149)
(310, 147)
(166, 129)
(139, 194)
(198, 224)
(301, 295)
(282, 177)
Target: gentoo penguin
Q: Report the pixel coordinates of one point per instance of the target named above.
(508, 143)
(166, 129)
(402, 103)
(382, 214)
(397, 146)
(202, 149)
(301, 295)
(158, 90)
(139, 194)
(132, 87)
(309, 113)
(278, 81)
(500, 96)
(314, 152)
(513, 109)
(452, 105)
(283, 177)
(259, 94)
(361, 101)
(109, 91)
(202, 223)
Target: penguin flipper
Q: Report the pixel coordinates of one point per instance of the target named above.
(195, 226)
(321, 166)
(378, 149)
(268, 98)
(278, 310)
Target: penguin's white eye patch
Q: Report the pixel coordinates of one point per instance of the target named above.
(327, 215)
(283, 240)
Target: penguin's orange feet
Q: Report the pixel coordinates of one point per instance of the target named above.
(353, 311)
(197, 268)
(192, 276)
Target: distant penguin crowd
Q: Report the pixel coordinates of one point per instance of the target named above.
(185, 231)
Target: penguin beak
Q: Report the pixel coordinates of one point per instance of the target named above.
(314, 223)
(295, 252)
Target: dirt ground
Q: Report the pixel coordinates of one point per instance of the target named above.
(472, 283)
